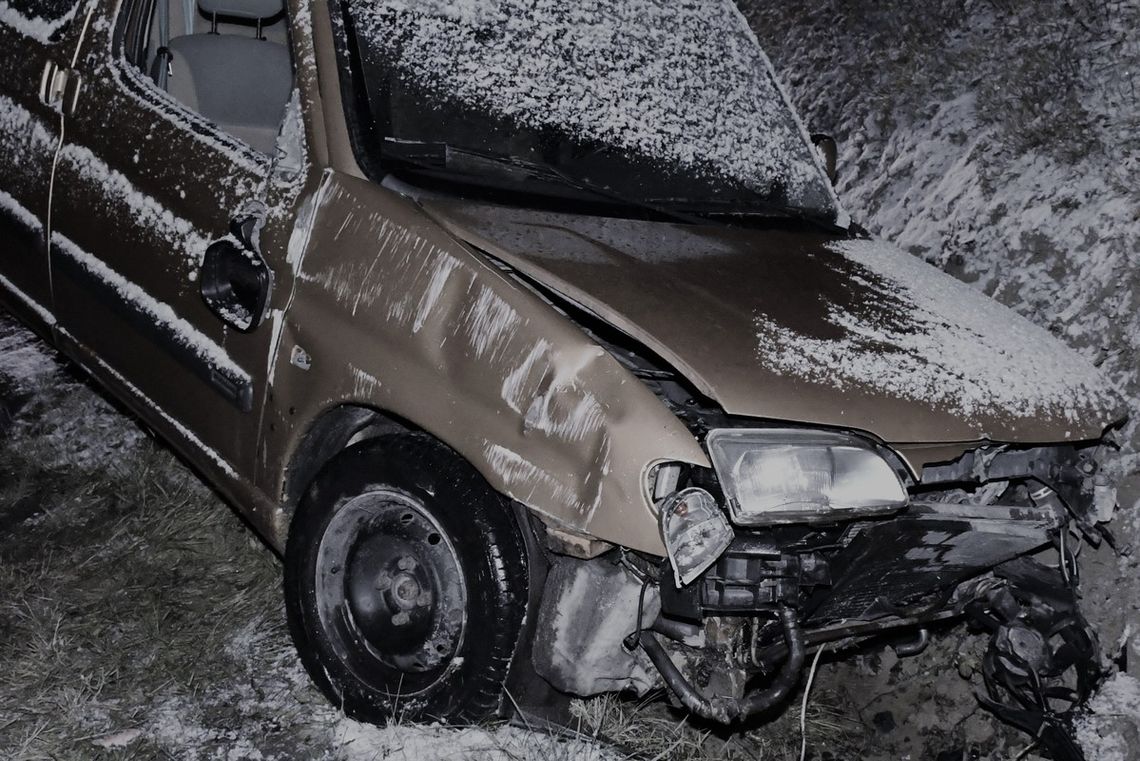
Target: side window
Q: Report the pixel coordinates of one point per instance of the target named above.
(44, 20)
(227, 60)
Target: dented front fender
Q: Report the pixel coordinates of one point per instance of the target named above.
(394, 313)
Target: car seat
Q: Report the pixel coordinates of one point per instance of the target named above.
(241, 83)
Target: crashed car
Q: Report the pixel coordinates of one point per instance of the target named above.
(536, 339)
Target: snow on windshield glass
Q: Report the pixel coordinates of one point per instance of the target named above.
(680, 82)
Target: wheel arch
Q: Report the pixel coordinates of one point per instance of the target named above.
(333, 431)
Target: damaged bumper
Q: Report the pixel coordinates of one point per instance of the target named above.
(730, 641)
(907, 570)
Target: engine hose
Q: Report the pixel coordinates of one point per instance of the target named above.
(727, 710)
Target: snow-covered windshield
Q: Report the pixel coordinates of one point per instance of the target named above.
(668, 103)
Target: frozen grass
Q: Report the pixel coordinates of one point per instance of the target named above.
(131, 599)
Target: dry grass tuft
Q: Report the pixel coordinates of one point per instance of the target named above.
(650, 729)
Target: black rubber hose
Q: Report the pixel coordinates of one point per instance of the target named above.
(724, 711)
(916, 646)
(784, 682)
(727, 710)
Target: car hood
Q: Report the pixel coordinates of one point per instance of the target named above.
(805, 326)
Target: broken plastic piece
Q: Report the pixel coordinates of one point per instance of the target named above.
(696, 532)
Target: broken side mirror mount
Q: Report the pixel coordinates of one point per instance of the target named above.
(829, 151)
(235, 280)
(236, 284)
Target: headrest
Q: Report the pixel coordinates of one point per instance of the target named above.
(247, 9)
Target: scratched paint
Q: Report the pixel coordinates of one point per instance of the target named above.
(421, 326)
(527, 478)
(489, 325)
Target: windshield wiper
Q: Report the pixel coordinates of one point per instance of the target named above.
(441, 156)
(474, 162)
(734, 209)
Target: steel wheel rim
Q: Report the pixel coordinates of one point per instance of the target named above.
(390, 590)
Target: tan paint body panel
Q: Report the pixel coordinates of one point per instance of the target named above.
(397, 315)
(629, 272)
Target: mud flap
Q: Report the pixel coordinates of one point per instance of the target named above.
(922, 554)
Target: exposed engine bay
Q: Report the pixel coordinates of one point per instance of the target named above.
(990, 538)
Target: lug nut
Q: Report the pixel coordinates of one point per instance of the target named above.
(406, 563)
(401, 619)
(383, 582)
(424, 599)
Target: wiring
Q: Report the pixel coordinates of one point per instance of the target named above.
(804, 704)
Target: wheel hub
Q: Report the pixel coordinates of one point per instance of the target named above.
(401, 592)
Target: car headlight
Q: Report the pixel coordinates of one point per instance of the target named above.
(787, 475)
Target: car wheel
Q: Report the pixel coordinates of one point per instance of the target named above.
(405, 583)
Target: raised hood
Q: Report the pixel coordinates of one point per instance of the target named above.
(807, 327)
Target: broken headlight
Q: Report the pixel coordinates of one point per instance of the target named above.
(785, 475)
(695, 532)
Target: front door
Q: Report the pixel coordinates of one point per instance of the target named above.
(173, 150)
(38, 39)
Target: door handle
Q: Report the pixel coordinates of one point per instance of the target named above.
(60, 86)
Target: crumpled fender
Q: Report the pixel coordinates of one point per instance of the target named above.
(392, 312)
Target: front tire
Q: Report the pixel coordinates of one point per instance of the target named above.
(405, 583)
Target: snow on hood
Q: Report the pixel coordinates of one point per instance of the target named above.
(683, 82)
(806, 327)
(926, 337)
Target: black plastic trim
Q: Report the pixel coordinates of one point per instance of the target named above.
(235, 389)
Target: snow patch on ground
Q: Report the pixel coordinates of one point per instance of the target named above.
(364, 742)
(82, 430)
(1111, 729)
(27, 364)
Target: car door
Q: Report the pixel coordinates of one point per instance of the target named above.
(144, 188)
(38, 39)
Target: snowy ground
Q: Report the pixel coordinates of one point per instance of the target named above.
(999, 140)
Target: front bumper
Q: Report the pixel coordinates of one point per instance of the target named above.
(870, 570)
(874, 575)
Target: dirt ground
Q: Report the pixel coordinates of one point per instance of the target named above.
(139, 618)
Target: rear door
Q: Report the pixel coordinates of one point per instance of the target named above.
(38, 39)
(144, 187)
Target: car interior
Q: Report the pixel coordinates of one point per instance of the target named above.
(228, 60)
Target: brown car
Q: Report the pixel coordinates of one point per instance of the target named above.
(535, 337)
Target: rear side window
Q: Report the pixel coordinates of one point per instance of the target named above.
(44, 20)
